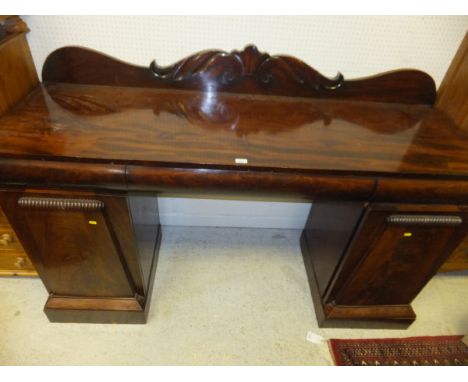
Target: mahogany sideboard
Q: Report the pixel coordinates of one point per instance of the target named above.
(86, 152)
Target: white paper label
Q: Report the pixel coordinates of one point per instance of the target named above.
(314, 338)
(241, 160)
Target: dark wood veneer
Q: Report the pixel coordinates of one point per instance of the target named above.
(282, 185)
(421, 191)
(54, 238)
(327, 233)
(247, 71)
(393, 316)
(61, 173)
(376, 267)
(92, 251)
(82, 123)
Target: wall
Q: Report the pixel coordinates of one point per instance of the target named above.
(354, 45)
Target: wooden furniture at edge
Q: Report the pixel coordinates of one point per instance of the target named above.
(86, 153)
(17, 78)
(452, 99)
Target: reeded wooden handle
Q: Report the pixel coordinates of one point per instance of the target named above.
(60, 204)
(425, 220)
(5, 239)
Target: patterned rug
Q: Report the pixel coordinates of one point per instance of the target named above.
(412, 351)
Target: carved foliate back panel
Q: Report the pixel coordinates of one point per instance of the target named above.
(248, 71)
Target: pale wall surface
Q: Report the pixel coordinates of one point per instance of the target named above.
(354, 45)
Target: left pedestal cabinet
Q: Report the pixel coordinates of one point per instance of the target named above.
(95, 252)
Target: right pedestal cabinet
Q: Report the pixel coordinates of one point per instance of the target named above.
(371, 260)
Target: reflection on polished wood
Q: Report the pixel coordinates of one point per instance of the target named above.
(122, 125)
(100, 132)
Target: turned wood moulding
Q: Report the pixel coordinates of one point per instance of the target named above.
(248, 71)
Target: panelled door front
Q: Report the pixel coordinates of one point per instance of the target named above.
(397, 249)
(71, 243)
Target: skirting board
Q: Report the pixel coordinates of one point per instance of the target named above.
(232, 213)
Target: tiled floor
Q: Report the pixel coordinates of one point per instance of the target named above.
(222, 296)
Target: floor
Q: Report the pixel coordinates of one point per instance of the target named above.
(222, 296)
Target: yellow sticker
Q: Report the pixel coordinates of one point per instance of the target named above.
(92, 222)
(407, 234)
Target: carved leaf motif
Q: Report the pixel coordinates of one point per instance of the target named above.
(290, 68)
(205, 66)
(221, 68)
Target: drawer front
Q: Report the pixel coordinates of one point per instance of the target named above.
(395, 252)
(13, 259)
(14, 263)
(8, 240)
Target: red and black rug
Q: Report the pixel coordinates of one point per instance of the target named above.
(412, 351)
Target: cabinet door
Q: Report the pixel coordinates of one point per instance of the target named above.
(395, 252)
(71, 242)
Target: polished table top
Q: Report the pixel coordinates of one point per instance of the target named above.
(131, 125)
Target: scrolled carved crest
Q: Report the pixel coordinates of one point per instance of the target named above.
(220, 69)
(247, 71)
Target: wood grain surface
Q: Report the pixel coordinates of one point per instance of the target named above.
(180, 128)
